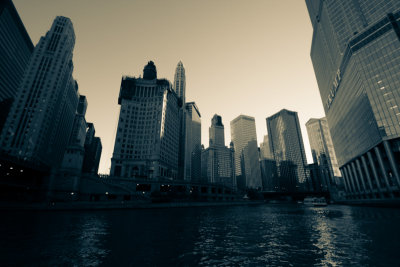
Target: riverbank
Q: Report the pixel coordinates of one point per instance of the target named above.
(383, 203)
(89, 205)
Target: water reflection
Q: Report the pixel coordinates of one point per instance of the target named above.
(266, 235)
(92, 232)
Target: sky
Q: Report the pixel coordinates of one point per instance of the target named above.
(240, 57)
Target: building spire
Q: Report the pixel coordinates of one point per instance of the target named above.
(180, 82)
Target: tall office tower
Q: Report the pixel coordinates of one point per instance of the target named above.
(41, 117)
(180, 90)
(73, 156)
(322, 150)
(180, 82)
(192, 152)
(218, 161)
(68, 175)
(269, 175)
(265, 150)
(287, 146)
(216, 132)
(93, 150)
(247, 165)
(356, 57)
(147, 141)
(15, 50)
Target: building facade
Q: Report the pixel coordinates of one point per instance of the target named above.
(322, 150)
(269, 175)
(265, 150)
(147, 140)
(41, 118)
(15, 51)
(192, 142)
(244, 138)
(356, 56)
(286, 143)
(217, 161)
(93, 149)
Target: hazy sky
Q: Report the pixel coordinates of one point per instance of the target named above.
(241, 57)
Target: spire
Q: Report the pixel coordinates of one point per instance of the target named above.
(180, 81)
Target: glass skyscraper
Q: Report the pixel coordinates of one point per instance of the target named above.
(244, 138)
(356, 57)
(322, 150)
(192, 142)
(15, 51)
(286, 144)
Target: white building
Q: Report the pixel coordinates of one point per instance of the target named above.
(244, 138)
(147, 140)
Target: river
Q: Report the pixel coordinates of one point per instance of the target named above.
(261, 235)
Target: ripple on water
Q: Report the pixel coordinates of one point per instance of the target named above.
(269, 235)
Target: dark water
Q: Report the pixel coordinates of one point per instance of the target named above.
(264, 235)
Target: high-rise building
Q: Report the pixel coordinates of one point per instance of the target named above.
(356, 56)
(68, 175)
(269, 175)
(15, 50)
(147, 140)
(192, 152)
(180, 82)
(265, 150)
(244, 138)
(286, 143)
(93, 150)
(216, 132)
(42, 115)
(322, 150)
(218, 162)
(180, 90)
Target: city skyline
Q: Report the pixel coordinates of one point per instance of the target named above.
(209, 53)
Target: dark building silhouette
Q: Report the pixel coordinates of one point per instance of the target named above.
(318, 180)
(41, 118)
(93, 149)
(15, 51)
(147, 140)
(192, 141)
(269, 175)
(356, 57)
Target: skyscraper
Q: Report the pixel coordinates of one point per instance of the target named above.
(180, 82)
(287, 146)
(15, 50)
(41, 118)
(192, 142)
(265, 150)
(93, 150)
(68, 175)
(147, 140)
(356, 57)
(218, 163)
(216, 132)
(322, 150)
(244, 138)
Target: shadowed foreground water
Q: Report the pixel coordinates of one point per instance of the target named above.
(281, 235)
